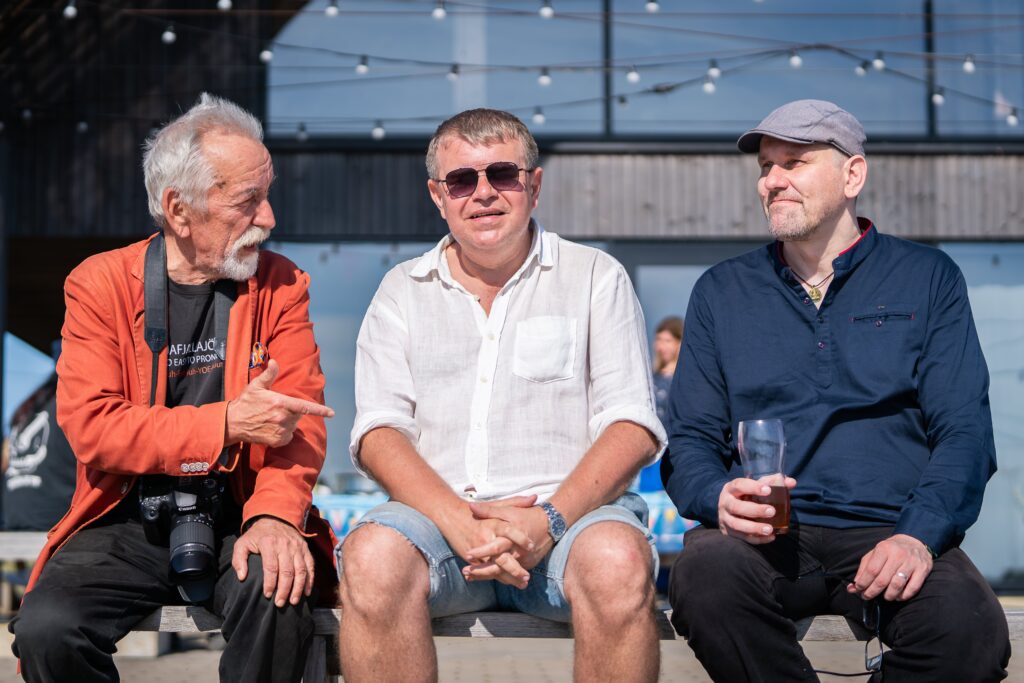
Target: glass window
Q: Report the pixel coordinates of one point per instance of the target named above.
(995, 283)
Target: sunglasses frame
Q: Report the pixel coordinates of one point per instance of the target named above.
(483, 171)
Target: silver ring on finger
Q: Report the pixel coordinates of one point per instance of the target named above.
(901, 575)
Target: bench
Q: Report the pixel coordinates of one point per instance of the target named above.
(322, 662)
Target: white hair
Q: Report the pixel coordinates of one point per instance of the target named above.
(173, 156)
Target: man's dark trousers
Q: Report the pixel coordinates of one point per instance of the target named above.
(107, 577)
(735, 602)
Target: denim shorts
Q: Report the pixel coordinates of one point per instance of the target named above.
(544, 595)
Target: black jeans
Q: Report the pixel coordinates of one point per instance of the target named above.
(734, 603)
(107, 577)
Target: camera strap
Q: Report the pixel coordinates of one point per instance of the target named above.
(155, 294)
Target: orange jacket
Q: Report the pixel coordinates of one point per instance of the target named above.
(103, 406)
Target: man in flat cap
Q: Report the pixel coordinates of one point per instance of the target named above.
(864, 346)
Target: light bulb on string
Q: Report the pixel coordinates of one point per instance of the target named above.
(378, 132)
(545, 77)
(709, 85)
(453, 73)
(652, 6)
(301, 134)
(939, 97)
(1012, 120)
(224, 5)
(795, 60)
(363, 67)
(332, 9)
(633, 76)
(713, 70)
(439, 12)
(26, 115)
(70, 11)
(266, 55)
(862, 68)
(538, 116)
(878, 63)
(169, 36)
(546, 11)
(969, 66)
(82, 127)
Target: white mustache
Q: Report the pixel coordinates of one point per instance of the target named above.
(252, 237)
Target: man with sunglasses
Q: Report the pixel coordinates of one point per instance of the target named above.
(865, 347)
(504, 403)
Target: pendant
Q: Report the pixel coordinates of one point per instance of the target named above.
(815, 294)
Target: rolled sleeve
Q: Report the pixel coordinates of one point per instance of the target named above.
(385, 394)
(620, 374)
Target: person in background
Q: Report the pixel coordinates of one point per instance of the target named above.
(668, 337)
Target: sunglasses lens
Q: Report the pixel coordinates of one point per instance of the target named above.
(503, 176)
(461, 182)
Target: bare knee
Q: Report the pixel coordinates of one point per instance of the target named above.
(610, 572)
(381, 571)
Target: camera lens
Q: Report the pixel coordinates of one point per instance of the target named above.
(191, 545)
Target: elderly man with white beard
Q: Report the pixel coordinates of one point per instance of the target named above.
(191, 392)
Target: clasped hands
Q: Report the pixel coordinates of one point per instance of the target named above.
(502, 540)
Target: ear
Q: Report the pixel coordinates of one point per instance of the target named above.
(536, 176)
(855, 174)
(437, 195)
(176, 213)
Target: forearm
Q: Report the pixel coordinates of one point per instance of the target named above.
(393, 463)
(605, 471)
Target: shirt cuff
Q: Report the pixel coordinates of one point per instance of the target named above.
(641, 415)
(933, 530)
(367, 422)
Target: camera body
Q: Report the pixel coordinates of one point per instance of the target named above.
(182, 513)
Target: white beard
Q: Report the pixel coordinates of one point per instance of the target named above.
(241, 268)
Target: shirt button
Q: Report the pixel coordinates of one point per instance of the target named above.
(821, 345)
(821, 319)
(807, 299)
(483, 380)
(878, 323)
(185, 467)
(490, 337)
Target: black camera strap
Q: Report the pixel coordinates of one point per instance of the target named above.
(156, 334)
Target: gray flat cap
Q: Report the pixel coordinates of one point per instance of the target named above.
(808, 122)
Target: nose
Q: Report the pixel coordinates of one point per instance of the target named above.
(776, 178)
(264, 217)
(484, 190)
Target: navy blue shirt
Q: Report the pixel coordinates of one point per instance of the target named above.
(883, 390)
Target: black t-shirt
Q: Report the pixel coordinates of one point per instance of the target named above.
(40, 478)
(195, 372)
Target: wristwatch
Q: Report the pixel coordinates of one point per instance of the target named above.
(556, 523)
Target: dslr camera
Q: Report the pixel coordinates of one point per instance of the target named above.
(181, 513)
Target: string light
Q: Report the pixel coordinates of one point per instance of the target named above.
(378, 132)
(1011, 119)
(652, 6)
(224, 5)
(332, 9)
(862, 68)
(878, 63)
(538, 116)
(453, 73)
(266, 55)
(300, 134)
(713, 70)
(439, 13)
(70, 11)
(363, 67)
(169, 36)
(633, 76)
(82, 127)
(709, 85)
(969, 66)
(545, 77)
(623, 100)
(2, 126)
(546, 11)
(939, 97)
(795, 60)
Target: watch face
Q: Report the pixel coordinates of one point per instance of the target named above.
(557, 527)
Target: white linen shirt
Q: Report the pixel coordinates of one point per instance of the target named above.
(508, 403)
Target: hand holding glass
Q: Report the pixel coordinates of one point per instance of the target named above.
(762, 446)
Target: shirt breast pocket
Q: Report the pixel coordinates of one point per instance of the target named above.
(545, 349)
(885, 317)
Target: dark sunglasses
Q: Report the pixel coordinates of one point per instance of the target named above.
(501, 175)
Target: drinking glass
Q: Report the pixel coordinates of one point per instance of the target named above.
(762, 446)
